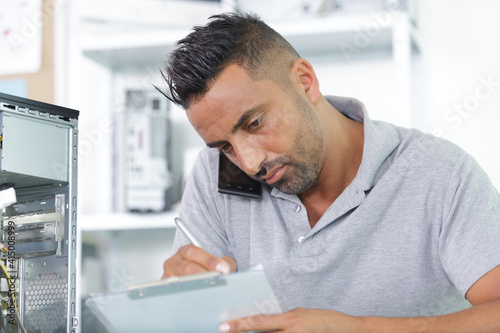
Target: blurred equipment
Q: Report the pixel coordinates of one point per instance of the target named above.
(296, 9)
(38, 174)
(147, 177)
(153, 13)
(287, 9)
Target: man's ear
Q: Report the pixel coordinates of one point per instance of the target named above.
(303, 74)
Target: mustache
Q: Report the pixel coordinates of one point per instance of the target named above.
(262, 173)
(269, 165)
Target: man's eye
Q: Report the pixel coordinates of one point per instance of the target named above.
(256, 122)
(226, 148)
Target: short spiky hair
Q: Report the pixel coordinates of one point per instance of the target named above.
(241, 39)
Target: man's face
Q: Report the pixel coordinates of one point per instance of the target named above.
(273, 135)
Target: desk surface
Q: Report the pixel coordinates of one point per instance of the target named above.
(127, 221)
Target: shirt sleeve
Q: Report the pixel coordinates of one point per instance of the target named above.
(470, 233)
(201, 207)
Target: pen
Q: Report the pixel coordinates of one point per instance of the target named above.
(192, 238)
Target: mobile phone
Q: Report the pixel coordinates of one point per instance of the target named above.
(232, 180)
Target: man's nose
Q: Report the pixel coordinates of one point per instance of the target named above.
(250, 159)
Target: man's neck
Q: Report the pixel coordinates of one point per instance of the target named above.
(343, 154)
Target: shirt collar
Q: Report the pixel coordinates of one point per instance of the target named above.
(380, 140)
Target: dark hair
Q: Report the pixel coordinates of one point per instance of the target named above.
(228, 38)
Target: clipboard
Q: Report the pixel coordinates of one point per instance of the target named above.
(194, 303)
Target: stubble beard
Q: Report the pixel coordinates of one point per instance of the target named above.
(304, 166)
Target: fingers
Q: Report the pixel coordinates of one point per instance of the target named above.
(269, 323)
(190, 259)
(298, 321)
(233, 266)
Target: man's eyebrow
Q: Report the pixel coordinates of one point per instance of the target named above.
(215, 144)
(247, 115)
(243, 119)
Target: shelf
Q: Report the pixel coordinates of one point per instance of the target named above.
(333, 33)
(123, 50)
(127, 221)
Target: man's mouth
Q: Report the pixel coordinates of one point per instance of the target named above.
(275, 175)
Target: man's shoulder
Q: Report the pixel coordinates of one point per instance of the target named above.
(205, 166)
(432, 147)
(427, 156)
(208, 155)
(208, 158)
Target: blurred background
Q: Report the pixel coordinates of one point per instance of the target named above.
(432, 65)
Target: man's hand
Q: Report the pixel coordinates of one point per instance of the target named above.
(190, 259)
(480, 318)
(297, 321)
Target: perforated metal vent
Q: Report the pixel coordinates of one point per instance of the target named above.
(45, 305)
(159, 132)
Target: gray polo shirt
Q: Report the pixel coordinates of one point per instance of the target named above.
(418, 225)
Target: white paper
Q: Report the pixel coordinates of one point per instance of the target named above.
(21, 25)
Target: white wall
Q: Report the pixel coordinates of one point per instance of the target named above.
(90, 90)
(457, 76)
(371, 79)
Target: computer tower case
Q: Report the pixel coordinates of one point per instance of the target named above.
(39, 160)
(148, 178)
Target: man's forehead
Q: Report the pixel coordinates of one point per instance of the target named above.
(232, 90)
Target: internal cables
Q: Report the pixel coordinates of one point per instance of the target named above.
(7, 198)
(3, 321)
(12, 291)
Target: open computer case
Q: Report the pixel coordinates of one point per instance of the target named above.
(38, 160)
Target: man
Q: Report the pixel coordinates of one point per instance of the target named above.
(362, 226)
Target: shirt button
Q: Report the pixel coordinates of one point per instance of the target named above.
(297, 208)
(301, 239)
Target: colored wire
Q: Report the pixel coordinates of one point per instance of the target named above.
(13, 297)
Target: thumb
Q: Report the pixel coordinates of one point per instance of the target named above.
(227, 265)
